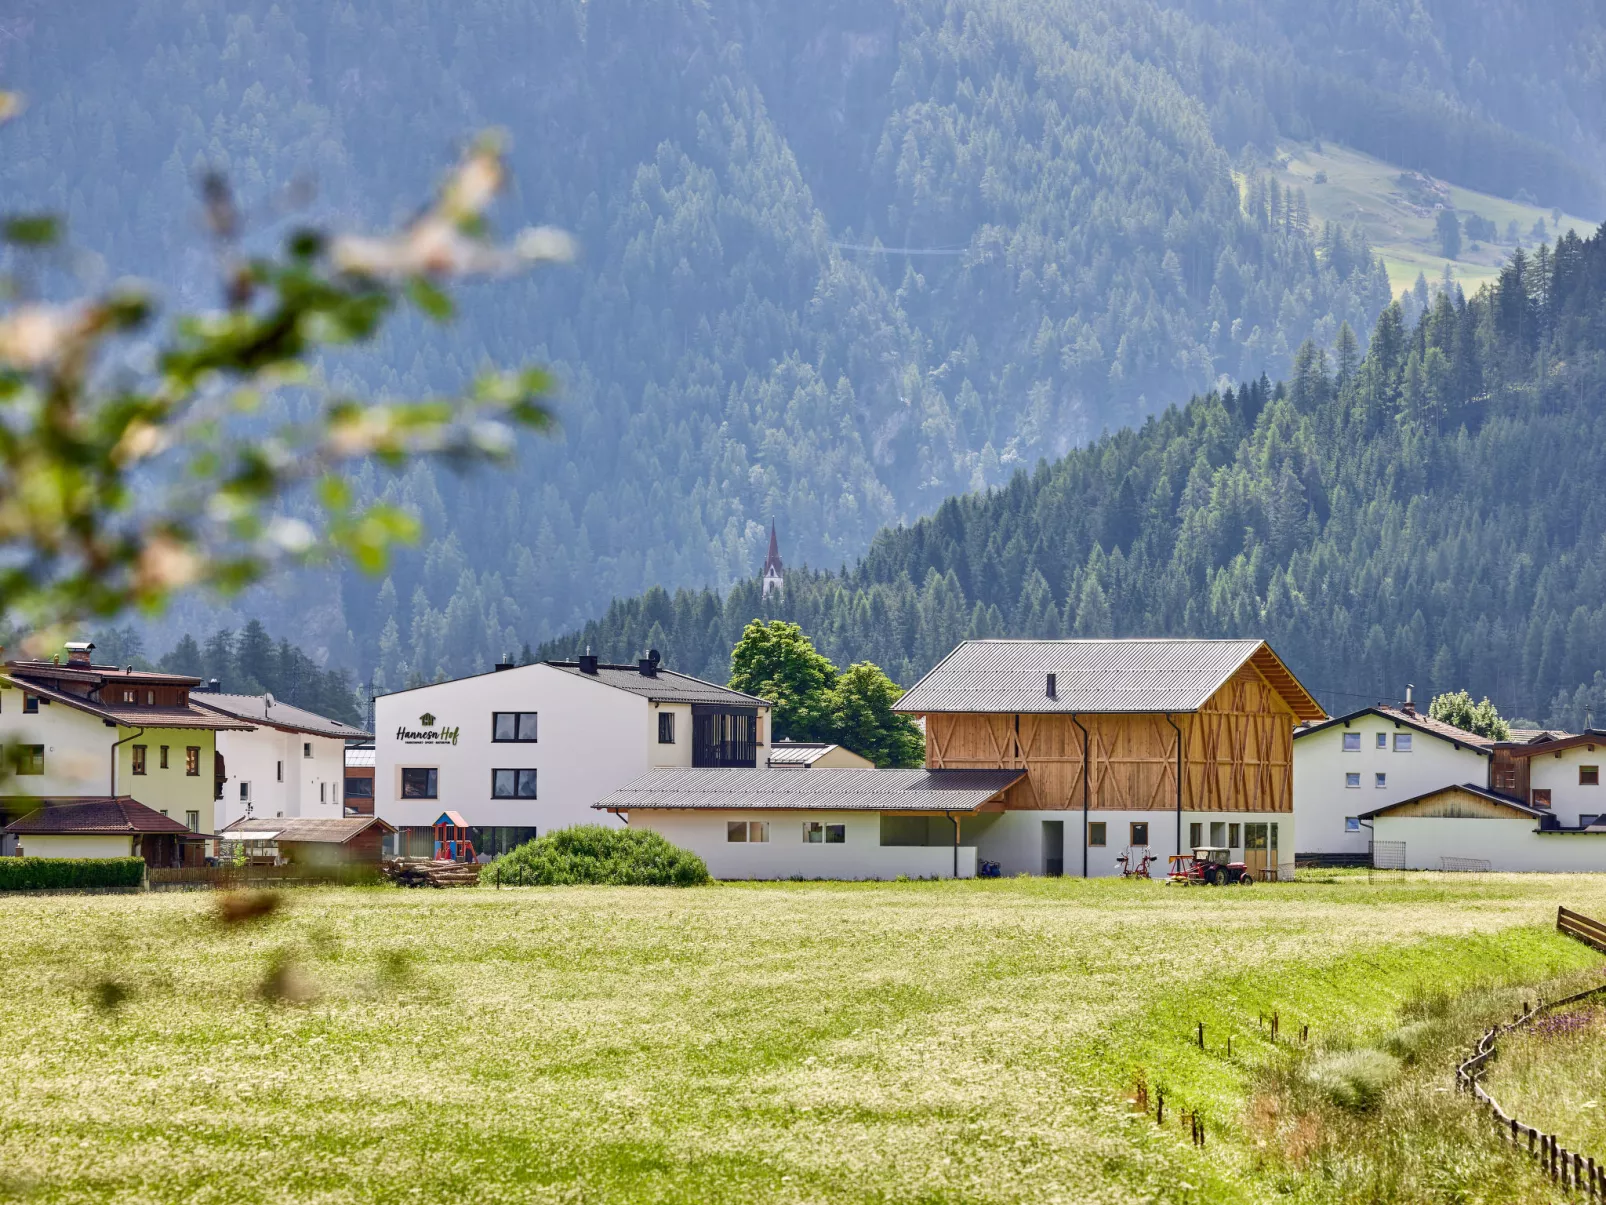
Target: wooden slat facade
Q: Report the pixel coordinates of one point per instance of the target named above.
(1238, 753)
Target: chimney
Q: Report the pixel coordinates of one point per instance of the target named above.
(1053, 686)
(505, 663)
(78, 652)
(213, 686)
(1410, 707)
(588, 664)
(648, 665)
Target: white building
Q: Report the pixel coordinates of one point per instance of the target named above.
(292, 763)
(526, 749)
(1356, 763)
(1563, 777)
(1467, 827)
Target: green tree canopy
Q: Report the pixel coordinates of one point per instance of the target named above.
(859, 712)
(1480, 719)
(776, 661)
(1448, 229)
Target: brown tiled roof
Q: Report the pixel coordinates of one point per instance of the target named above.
(131, 714)
(1409, 719)
(1590, 736)
(95, 673)
(330, 830)
(92, 814)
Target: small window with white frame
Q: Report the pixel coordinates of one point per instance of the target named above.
(751, 832)
(1402, 742)
(1352, 824)
(1352, 780)
(816, 832)
(1352, 742)
(1382, 740)
(245, 792)
(1380, 780)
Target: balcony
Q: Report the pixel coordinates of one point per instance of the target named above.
(724, 737)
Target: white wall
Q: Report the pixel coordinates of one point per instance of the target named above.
(1322, 801)
(72, 845)
(1558, 772)
(1015, 839)
(1504, 844)
(254, 758)
(786, 854)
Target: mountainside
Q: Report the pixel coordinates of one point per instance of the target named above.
(1431, 513)
(842, 259)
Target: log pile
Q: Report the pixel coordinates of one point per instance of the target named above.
(423, 872)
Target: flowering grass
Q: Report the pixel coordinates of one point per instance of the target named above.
(937, 1042)
(1553, 1075)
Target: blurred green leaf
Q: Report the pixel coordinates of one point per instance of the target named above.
(30, 230)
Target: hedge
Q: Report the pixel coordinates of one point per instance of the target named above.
(36, 874)
(595, 853)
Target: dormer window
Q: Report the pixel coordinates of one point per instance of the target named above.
(128, 696)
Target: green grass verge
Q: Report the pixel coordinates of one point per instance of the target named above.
(939, 1042)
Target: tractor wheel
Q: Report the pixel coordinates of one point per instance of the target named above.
(1219, 878)
(1246, 879)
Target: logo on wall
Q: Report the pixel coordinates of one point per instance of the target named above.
(427, 734)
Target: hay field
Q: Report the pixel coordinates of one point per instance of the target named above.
(938, 1042)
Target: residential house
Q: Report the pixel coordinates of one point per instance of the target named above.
(1466, 826)
(292, 762)
(525, 749)
(1042, 756)
(815, 755)
(103, 827)
(77, 730)
(1350, 765)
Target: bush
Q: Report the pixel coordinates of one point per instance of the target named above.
(36, 874)
(595, 853)
(1355, 1079)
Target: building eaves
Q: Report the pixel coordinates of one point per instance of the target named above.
(1419, 723)
(1468, 788)
(927, 791)
(284, 716)
(666, 686)
(89, 815)
(1590, 736)
(131, 715)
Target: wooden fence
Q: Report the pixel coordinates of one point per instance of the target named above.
(179, 878)
(1570, 1169)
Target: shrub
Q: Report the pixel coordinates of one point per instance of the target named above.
(36, 874)
(1354, 1079)
(595, 853)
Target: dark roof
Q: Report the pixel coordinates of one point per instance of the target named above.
(90, 814)
(266, 710)
(1590, 736)
(99, 673)
(1410, 719)
(772, 562)
(1096, 676)
(320, 830)
(131, 715)
(1470, 789)
(818, 790)
(666, 686)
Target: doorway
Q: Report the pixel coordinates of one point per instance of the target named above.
(1054, 848)
(1260, 851)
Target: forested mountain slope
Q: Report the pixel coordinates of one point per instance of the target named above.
(1431, 513)
(842, 259)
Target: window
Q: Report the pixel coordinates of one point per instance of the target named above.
(1352, 742)
(1195, 835)
(1352, 781)
(162, 754)
(1232, 836)
(30, 704)
(139, 758)
(758, 729)
(753, 831)
(128, 696)
(817, 833)
(1380, 780)
(513, 784)
(150, 698)
(1382, 740)
(1505, 778)
(28, 759)
(1541, 798)
(666, 728)
(192, 760)
(1352, 824)
(306, 748)
(1402, 742)
(245, 792)
(322, 792)
(1589, 776)
(516, 726)
(419, 782)
(1095, 834)
(1218, 833)
(192, 821)
(361, 788)
(279, 771)
(1139, 833)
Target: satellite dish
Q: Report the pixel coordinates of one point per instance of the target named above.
(652, 655)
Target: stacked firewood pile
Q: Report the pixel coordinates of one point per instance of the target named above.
(423, 872)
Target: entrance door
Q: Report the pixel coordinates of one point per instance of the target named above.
(1260, 851)
(1054, 848)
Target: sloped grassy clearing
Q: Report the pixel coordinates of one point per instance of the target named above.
(1553, 1075)
(823, 1042)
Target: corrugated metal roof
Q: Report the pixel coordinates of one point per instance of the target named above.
(277, 714)
(818, 790)
(1090, 676)
(797, 753)
(666, 686)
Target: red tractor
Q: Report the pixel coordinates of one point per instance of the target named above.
(1208, 864)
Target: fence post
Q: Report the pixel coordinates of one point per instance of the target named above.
(1201, 1035)
(1159, 1108)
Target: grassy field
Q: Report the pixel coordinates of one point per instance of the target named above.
(1554, 1076)
(932, 1042)
(1359, 188)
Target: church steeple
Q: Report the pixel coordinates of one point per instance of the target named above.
(773, 572)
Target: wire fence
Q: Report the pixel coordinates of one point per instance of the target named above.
(1388, 855)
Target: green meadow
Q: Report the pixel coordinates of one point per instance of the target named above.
(930, 1042)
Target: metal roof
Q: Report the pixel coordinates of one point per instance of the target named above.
(666, 686)
(818, 790)
(322, 830)
(358, 756)
(1096, 676)
(275, 713)
(798, 753)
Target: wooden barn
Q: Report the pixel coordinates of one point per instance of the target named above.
(1127, 746)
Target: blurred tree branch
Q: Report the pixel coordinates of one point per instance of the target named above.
(85, 531)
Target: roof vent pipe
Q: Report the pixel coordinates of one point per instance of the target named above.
(1053, 687)
(505, 663)
(1410, 707)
